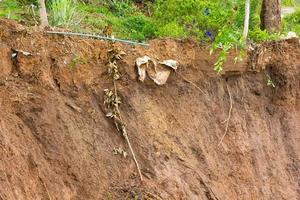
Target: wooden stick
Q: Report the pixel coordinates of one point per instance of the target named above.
(229, 116)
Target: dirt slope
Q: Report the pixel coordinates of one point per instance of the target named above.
(57, 143)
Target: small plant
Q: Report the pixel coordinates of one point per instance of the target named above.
(114, 55)
(139, 27)
(63, 13)
(120, 151)
(258, 35)
(111, 100)
(172, 29)
(226, 40)
(122, 8)
(270, 83)
(76, 60)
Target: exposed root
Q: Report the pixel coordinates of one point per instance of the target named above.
(151, 195)
(132, 152)
(47, 191)
(4, 149)
(229, 116)
(190, 82)
(9, 185)
(124, 132)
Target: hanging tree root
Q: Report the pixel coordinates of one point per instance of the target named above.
(229, 116)
(112, 100)
(132, 152)
(124, 132)
(190, 82)
(9, 185)
(47, 191)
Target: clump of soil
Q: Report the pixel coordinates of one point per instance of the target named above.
(57, 143)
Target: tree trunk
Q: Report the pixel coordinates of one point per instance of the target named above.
(270, 17)
(246, 22)
(43, 13)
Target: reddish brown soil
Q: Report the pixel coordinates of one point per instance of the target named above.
(56, 143)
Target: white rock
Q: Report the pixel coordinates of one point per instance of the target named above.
(291, 35)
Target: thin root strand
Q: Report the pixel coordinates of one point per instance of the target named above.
(228, 118)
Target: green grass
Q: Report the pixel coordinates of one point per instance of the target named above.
(126, 25)
(63, 13)
(11, 9)
(288, 2)
(165, 18)
(292, 22)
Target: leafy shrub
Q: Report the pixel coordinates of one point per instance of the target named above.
(93, 17)
(171, 29)
(191, 17)
(122, 8)
(218, 21)
(258, 35)
(139, 27)
(227, 39)
(198, 17)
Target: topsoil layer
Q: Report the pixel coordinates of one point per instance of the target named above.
(57, 143)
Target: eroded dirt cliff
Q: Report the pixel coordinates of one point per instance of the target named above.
(56, 141)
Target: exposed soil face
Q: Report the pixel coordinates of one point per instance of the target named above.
(57, 143)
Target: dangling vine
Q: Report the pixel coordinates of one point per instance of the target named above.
(112, 101)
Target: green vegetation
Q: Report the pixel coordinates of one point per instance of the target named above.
(219, 23)
(270, 82)
(11, 10)
(292, 22)
(258, 35)
(199, 19)
(63, 13)
(126, 23)
(77, 60)
(226, 40)
(288, 2)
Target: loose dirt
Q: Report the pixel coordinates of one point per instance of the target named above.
(57, 143)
